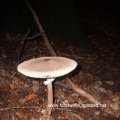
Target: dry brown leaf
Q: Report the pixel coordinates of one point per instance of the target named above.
(35, 86)
(90, 77)
(23, 113)
(17, 84)
(110, 82)
(116, 98)
(31, 96)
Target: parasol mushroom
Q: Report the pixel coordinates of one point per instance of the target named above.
(49, 68)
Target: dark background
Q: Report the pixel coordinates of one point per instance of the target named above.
(15, 14)
(60, 18)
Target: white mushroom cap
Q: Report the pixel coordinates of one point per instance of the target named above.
(47, 67)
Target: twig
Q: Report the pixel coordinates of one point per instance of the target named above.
(71, 113)
(23, 44)
(83, 93)
(66, 86)
(53, 53)
(76, 116)
(78, 90)
(34, 36)
(9, 108)
(18, 39)
(41, 30)
(28, 38)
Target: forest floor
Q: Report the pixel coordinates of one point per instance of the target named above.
(24, 98)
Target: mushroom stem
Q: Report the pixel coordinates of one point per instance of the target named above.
(50, 98)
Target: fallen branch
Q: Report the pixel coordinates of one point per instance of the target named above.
(20, 38)
(78, 90)
(71, 113)
(76, 116)
(34, 36)
(27, 107)
(53, 53)
(82, 92)
(41, 30)
(29, 38)
(23, 44)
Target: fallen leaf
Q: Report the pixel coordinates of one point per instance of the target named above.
(90, 77)
(17, 84)
(31, 96)
(110, 82)
(23, 114)
(35, 86)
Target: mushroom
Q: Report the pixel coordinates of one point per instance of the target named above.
(49, 68)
